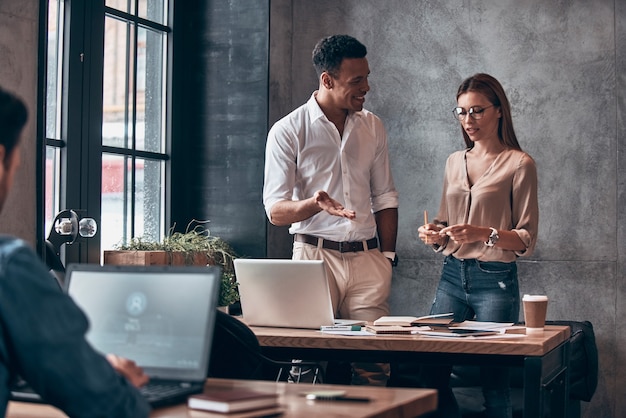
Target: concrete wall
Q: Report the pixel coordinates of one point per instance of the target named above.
(562, 66)
(18, 74)
(220, 119)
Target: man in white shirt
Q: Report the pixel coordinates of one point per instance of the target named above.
(327, 174)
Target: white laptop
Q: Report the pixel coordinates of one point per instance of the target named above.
(285, 293)
(162, 317)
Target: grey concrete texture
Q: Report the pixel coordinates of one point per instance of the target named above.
(562, 66)
(18, 73)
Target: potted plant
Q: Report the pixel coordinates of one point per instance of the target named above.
(195, 246)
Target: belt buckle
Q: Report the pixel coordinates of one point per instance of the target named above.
(347, 246)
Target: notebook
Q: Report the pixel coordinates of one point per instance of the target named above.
(285, 293)
(162, 317)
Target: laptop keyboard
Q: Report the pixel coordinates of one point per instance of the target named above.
(157, 393)
(21, 391)
(163, 392)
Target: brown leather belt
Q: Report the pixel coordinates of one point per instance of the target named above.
(342, 247)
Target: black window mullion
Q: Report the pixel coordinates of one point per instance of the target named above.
(82, 119)
(41, 128)
(118, 14)
(128, 202)
(133, 183)
(92, 186)
(71, 127)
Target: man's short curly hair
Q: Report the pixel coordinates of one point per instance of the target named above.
(330, 51)
(13, 115)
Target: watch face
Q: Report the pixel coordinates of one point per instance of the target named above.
(493, 238)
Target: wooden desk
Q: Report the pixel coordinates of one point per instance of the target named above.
(544, 358)
(386, 403)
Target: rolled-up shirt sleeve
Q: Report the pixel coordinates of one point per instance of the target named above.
(525, 205)
(280, 167)
(384, 193)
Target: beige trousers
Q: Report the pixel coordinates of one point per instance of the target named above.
(360, 283)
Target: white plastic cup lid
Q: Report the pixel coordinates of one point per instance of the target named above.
(535, 298)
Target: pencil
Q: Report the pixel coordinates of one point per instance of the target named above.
(425, 217)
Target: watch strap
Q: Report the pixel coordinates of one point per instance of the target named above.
(392, 256)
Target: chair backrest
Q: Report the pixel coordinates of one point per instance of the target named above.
(236, 350)
(583, 359)
(236, 354)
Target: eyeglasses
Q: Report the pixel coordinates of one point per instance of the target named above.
(476, 112)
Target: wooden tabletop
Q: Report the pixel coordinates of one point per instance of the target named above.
(385, 402)
(526, 345)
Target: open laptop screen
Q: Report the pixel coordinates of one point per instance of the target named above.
(162, 317)
(284, 293)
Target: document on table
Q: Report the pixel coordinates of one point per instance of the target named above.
(346, 332)
(478, 329)
(482, 325)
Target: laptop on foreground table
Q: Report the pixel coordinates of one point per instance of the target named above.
(285, 293)
(162, 317)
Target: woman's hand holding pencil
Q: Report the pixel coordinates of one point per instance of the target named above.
(429, 233)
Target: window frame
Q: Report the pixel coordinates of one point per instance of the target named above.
(80, 145)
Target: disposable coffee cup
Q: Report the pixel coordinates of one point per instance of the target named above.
(535, 309)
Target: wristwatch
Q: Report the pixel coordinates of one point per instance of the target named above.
(392, 256)
(493, 238)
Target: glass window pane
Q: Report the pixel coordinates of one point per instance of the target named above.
(120, 97)
(125, 214)
(127, 6)
(150, 91)
(153, 10)
(54, 57)
(54, 54)
(52, 186)
(115, 203)
(150, 199)
(117, 128)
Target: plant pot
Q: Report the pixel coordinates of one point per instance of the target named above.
(157, 257)
(160, 258)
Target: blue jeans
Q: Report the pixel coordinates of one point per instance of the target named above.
(482, 291)
(478, 290)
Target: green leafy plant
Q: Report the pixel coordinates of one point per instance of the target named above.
(198, 247)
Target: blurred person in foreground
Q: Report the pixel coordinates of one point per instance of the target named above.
(42, 330)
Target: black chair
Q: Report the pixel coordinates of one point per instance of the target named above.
(236, 354)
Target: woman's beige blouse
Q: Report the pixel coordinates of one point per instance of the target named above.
(505, 198)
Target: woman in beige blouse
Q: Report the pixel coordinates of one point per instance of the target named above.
(488, 218)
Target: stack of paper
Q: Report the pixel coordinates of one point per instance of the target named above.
(410, 321)
(457, 332)
(407, 324)
(467, 329)
(389, 329)
(436, 325)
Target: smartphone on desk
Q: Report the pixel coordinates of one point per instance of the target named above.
(332, 395)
